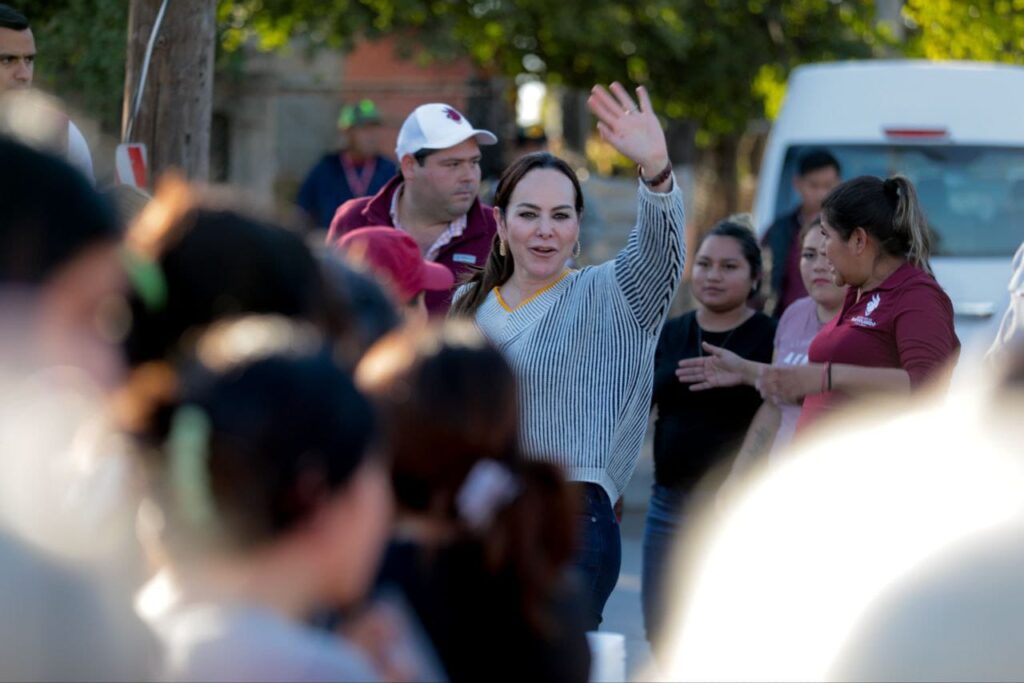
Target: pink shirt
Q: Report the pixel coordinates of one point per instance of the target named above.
(797, 328)
(906, 322)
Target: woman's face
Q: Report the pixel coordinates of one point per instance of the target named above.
(721, 274)
(541, 224)
(841, 255)
(817, 273)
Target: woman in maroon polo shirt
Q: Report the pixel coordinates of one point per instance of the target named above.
(894, 331)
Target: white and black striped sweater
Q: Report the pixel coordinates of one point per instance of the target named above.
(583, 351)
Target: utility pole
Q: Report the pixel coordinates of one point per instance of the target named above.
(176, 108)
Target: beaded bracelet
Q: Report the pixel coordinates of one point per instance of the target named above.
(656, 180)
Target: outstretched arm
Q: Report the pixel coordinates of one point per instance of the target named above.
(720, 368)
(648, 269)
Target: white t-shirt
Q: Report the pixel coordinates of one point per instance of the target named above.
(215, 641)
(78, 152)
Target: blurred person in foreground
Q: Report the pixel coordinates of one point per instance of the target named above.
(434, 197)
(817, 174)
(773, 425)
(394, 259)
(357, 170)
(62, 303)
(264, 502)
(17, 68)
(194, 259)
(582, 342)
(483, 539)
(894, 332)
(888, 549)
(697, 433)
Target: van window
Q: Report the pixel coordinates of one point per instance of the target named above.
(973, 196)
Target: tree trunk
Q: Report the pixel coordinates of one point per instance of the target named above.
(721, 182)
(177, 106)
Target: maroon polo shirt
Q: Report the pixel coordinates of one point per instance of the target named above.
(906, 322)
(464, 253)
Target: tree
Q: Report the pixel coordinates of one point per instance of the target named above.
(985, 30)
(81, 53)
(717, 63)
(177, 103)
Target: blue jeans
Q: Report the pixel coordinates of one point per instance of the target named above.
(600, 553)
(664, 520)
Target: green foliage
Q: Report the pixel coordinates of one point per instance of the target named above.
(718, 62)
(986, 30)
(81, 48)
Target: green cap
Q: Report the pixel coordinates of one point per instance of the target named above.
(361, 113)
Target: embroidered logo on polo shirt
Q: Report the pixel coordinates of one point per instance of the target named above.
(464, 258)
(865, 320)
(872, 305)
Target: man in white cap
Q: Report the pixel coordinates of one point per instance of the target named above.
(434, 196)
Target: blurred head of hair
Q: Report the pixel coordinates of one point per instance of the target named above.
(50, 215)
(251, 441)
(448, 403)
(192, 263)
(61, 280)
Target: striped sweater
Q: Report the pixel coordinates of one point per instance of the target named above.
(583, 351)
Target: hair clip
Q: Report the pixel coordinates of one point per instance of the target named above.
(188, 446)
(146, 278)
(488, 487)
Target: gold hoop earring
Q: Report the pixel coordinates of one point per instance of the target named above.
(502, 249)
(577, 250)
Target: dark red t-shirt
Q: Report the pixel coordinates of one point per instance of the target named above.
(906, 322)
(792, 282)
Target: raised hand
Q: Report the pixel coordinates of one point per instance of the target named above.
(632, 129)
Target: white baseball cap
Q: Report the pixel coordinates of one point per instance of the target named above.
(437, 126)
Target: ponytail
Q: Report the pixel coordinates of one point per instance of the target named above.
(533, 539)
(909, 222)
(888, 210)
(495, 273)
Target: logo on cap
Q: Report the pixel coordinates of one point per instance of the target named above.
(452, 114)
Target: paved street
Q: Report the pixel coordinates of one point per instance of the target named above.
(622, 613)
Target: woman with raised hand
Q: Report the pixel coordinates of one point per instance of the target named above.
(582, 341)
(695, 432)
(264, 504)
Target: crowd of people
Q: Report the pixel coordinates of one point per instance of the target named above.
(232, 454)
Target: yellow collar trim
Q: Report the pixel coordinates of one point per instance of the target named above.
(501, 300)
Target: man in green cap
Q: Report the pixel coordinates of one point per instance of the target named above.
(355, 171)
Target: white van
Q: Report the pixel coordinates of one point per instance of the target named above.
(956, 129)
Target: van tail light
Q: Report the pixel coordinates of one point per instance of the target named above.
(917, 133)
